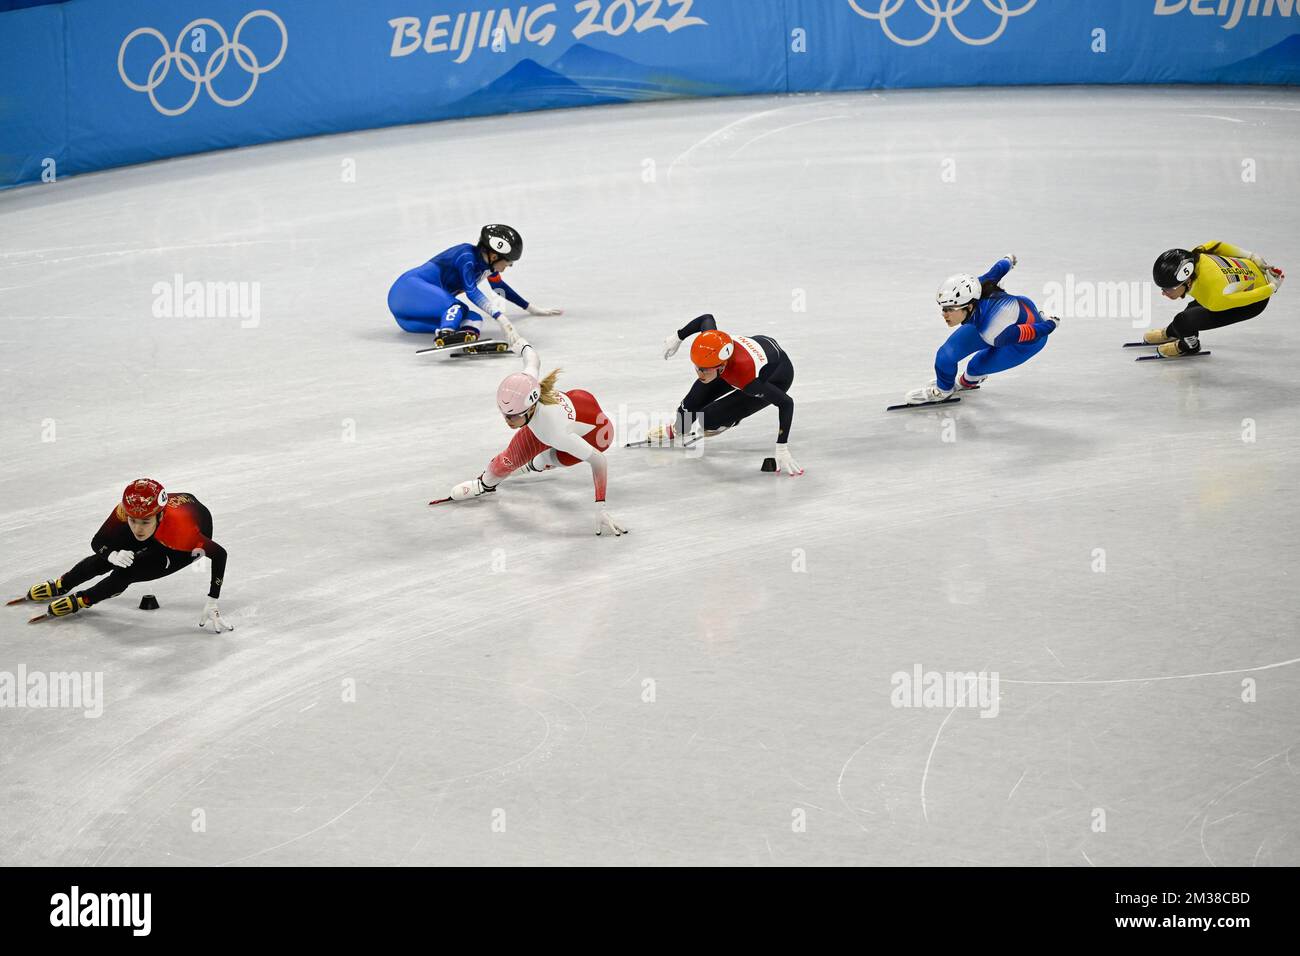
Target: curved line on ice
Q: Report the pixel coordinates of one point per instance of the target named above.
(930, 757)
(1143, 680)
(316, 829)
(782, 129)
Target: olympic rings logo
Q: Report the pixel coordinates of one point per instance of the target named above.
(188, 67)
(943, 11)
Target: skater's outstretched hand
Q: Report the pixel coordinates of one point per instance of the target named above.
(605, 521)
(785, 461)
(543, 310)
(1275, 277)
(213, 616)
(517, 341)
(671, 344)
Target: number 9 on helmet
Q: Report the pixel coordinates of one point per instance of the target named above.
(503, 241)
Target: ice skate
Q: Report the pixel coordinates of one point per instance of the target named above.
(474, 488)
(42, 592)
(927, 394)
(445, 337)
(486, 347)
(1180, 348)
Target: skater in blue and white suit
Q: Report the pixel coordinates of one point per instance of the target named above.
(424, 299)
(999, 330)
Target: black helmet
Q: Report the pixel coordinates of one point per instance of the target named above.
(1173, 267)
(502, 240)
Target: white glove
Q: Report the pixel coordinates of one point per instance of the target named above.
(517, 341)
(671, 344)
(475, 488)
(1275, 277)
(785, 463)
(1054, 319)
(210, 613)
(542, 310)
(605, 521)
(496, 304)
(1011, 257)
(121, 559)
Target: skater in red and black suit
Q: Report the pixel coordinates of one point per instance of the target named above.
(735, 377)
(148, 536)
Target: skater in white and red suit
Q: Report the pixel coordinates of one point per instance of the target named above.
(553, 429)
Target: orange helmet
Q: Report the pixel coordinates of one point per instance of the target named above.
(711, 349)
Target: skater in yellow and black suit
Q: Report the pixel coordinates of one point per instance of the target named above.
(1227, 284)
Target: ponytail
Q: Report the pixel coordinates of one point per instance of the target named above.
(550, 394)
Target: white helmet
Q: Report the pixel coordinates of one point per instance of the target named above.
(958, 290)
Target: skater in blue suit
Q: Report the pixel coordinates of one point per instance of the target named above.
(999, 330)
(423, 299)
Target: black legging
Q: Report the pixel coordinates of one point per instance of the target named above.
(717, 409)
(150, 564)
(1196, 318)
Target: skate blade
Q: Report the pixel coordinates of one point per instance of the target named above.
(665, 443)
(1166, 358)
(484, 353)
(502, 348)
(17, 600)
(947, 401)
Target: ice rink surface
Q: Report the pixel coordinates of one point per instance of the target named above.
(489, 682)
